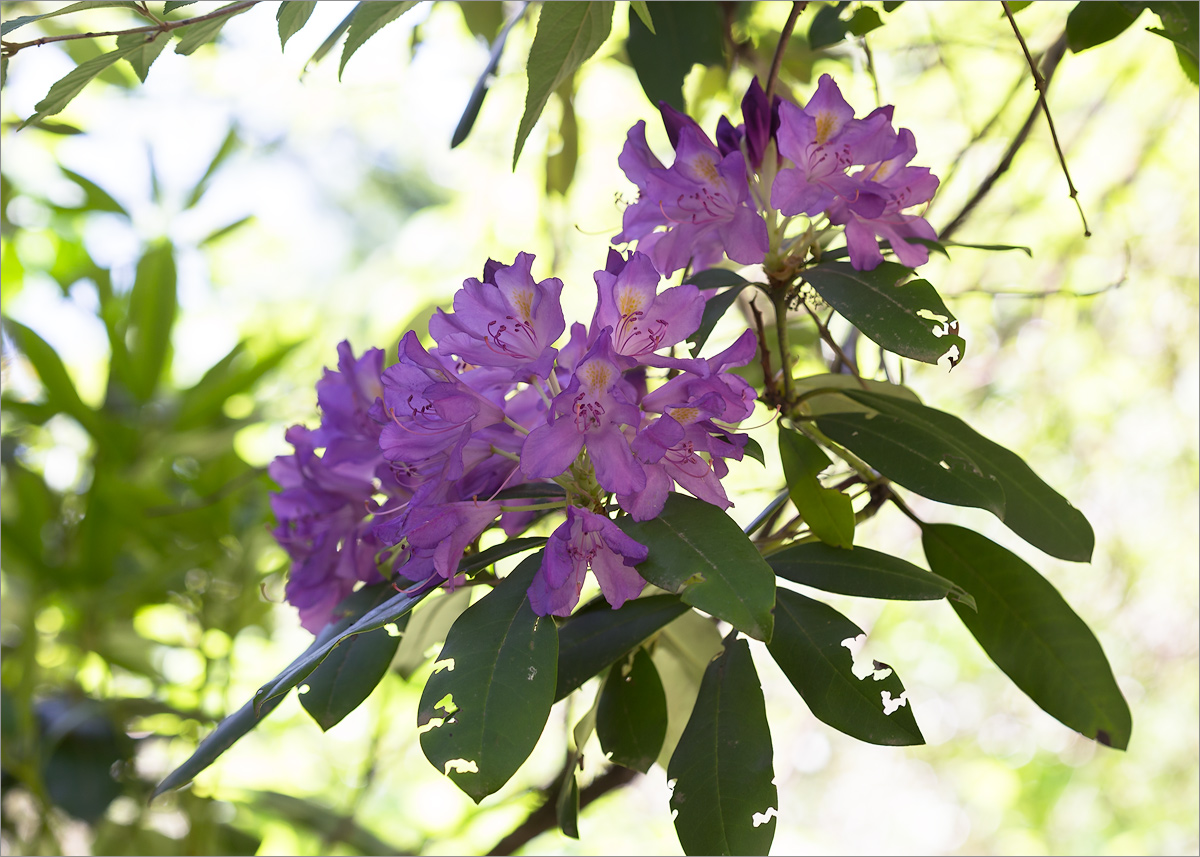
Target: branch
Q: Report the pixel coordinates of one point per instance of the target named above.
(784, 36)
(10, 48)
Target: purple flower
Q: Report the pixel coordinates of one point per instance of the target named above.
(643, 321)
(703, 200)
(442, 533)
(758, 130)
(586, 540)
(506, 321)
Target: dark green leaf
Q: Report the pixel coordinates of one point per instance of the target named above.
(827, 27)
(95, 198)
(714, 308)
(698, 552)
(1091, 24)
(715, 278)
(831, 402)
(1181, 25)
(643, 12)
(483, 711)
(596, 636)
(428, 626)
(631, 718)
(754, 450)
(765, 515)
(369, 19)
(909, 319)
(567, 36)
(152, 307)
(566, 806)
(292, 15)
(691, 33)
(1031, 633)
(148, 46)
(994, 247)
(479, 561)
(864, 20)
(808, 646)
(1032, 509)
(73, 83)
(352, 670)
(723, 765)
(892, 5)
(827, 511)
(193, 36)
(482, 17)
(475, 102)
(217, 742)
(8, 26)
(863, 572)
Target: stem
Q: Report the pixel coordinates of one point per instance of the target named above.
(784, 35)
(828, 339)
(535, 507)
(770, 392)
(780, 299)
(903, 507)
(509, 421)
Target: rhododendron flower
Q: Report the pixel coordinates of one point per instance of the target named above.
(642, 320)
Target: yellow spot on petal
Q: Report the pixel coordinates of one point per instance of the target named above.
(629, 301)
(523, 301)
(684, 416)
(706, 167)
(827, 126)
(597, 375)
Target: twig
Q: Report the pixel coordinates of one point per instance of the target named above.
(771, 392)
(784, 36)
(10, 48)
(1040, 84)
(828, 339)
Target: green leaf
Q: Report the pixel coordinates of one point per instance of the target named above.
(566, 806)
(148, 47)
(215, 743)
(292, 15)
(831, 402)
(8, 26)
(1091, 24)
(482, 17)
(699, 553)
(483, 710)
(643, 12)
(369, 19)
(901, 318)
(827, 27)
(714, 308)
(1032, 509)
(95, 198)
(1032, 634)
(808, 646)
(723, 765)
(61, 394)
(892, 5)
(171, 5)
(993, 247)
(152, 307)
(428, 626)
(597, 636)
(228, 229)
(228, 146)
(193, 36)
(567, 36)
(754, 450)
(827, 511)
(681, 653)
(863, 572)
(631, 716)
(236, 372)
(560, 165)
(332, 39)
(1181, 25)
(715, 278)
(691, 33)
(864, 20)
(73, 83)
(475, 102)
(479, 561)
(351, 671)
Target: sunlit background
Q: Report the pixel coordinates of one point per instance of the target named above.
(1083, 359)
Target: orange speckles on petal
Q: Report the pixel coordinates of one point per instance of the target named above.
(827, 126)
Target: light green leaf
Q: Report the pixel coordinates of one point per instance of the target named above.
(428, 626)
(171, 5)
(73, 83)
(292, 15)
(148, 47)
(152, 307)
(193, 36)
(8, 26)
(369, 19)
(827, 511)
(643, 12)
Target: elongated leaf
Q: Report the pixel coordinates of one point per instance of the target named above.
(148, 47)
(292, 16)
(332, 39)
(643, 12)
(714, 309)
(8, 26)
(369, 19)
(73, 83)
(681, 653)
(352, 670)
(61, 394)
(687, 33)
(863, 572)
(723, 765)
(698, 552)
(426, 627)
(171, 5)
(1091, 24)
(475, 102)
(835, 403)
(1032, 509)
(631, 715)
(479, 561)
(998, 248)
(215, 743)
(808, 648)
(193, 36)
(560, 164)
(95, 198)
(827, 511)
(482, 713)
(597, 636)
(1031, 633)
(566, 805)
(152, 307)
(567, 36)
(715, 278)
(909, 319)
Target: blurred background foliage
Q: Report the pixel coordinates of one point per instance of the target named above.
(180, 258)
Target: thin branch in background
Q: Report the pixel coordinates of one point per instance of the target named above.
(1040, 83)
(827, 338)
(784, 36)
(871, 71)
(770, 391)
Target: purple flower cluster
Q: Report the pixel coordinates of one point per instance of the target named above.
(723, 199)
(415, 455)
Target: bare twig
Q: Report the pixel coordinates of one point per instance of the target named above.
(784, 36)
(1040, 83)
(770, 391)
(827, 338)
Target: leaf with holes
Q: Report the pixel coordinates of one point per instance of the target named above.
(483, 709)
(1031, 633)
(698, 552)
(827, 511)
(808, 648)
(631, 715)
(428, 627)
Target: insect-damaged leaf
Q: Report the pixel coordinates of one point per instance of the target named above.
(722, 766)
(697, 551)
(808, 648)
(901, 318)
(428, 626)
(1031, 633)
(827, 511)
(631, 714)
(484, 707)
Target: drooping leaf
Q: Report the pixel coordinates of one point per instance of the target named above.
(715, 278)
(152, 307)
(1091, 24)
(808, 646)
(1030, 632)
(714, 309)
(1180, 25)
(910, 319)
(8, 26)
(483, 711)
(426, 627)
(631, 715)
(831, 402)
(193, 36)
(346, 677)
(95, 198)
(475, 102)
(643, 12)
(71, 84)
(61, 394)
(827, 27)
(560, 164)
(567, 36)
(722, 766)
(292, 16)
(827, 511)
(482, 17)
(597, 636)
(566, 805)
(863, 572)
(149, 46)
(332, 39)
(681, 654)
(698, 552)
(369, 19)
(686, 33)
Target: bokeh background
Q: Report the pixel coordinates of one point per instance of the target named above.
(142, 591)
